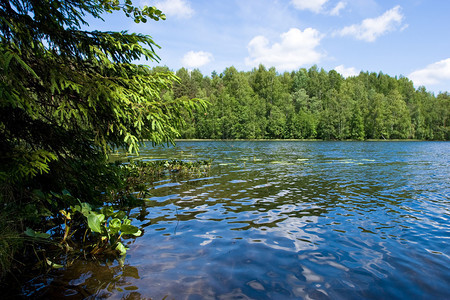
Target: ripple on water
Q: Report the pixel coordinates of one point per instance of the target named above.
(289, 220)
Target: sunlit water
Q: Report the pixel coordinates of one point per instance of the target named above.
(286, 220)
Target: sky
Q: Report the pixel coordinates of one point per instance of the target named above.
(408, 38)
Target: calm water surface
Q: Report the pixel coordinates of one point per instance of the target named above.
(286, 220)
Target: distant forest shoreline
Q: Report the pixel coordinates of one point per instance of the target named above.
(310, 104)
(301, 140)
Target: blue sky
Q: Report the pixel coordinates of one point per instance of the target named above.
(403, 37)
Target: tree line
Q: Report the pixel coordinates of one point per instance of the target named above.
(310, 104)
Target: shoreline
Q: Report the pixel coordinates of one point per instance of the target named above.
(303, 140)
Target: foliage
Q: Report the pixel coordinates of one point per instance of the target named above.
(104, 227)
(163, 167)
(312, 104)
(68, 97)
(83, 229)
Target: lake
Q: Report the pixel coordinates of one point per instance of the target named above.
(285, 220)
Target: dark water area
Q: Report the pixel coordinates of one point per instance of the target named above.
(285, 220)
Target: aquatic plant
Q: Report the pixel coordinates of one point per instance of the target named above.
(104, 228)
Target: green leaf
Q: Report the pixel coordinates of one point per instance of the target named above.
(114, 226)
(121, 248)
(66, 214)
(36, 234)
(120, 214)
(53, 265)
(107, 211)
(130, 229)
(86, 209)
(95, 222)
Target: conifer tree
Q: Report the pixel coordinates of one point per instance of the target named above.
(69, 96)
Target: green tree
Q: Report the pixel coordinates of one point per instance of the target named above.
(300, 80)
(315, 103)
(398, 119)
(61, 81)
(357, 124)
(276, 123)
(442, 116)
(70, 96)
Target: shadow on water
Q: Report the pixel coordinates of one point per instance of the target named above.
(86, 279)
(280, 220)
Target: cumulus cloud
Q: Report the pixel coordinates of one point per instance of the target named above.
(435, 73)
(297, 48)
(312, 5)
(346, 72)
(194, 59)
(177, 8)
(337, 9)
(370, 29)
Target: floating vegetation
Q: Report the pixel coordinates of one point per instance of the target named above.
(281, 162)
(157, 168)
(139, 174)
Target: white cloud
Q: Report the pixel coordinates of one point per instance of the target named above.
(370, 29)
(432, 74)
(346, 72)
(177, 8)
(337, 9)
(312, 5)
(297, 48)
(196, 59)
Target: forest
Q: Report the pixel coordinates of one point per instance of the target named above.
(310, 104)
(71, 98)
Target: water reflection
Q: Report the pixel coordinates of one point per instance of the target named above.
(290, 220)
(90, 279)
